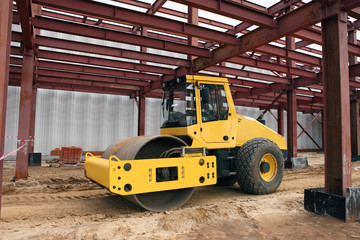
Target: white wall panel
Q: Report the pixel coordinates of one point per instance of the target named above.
(88, 120)
(152, 116)
(63, 118)
(12, 118)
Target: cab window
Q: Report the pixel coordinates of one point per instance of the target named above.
(213, 102)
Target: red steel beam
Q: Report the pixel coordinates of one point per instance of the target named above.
(287, 24)
(233, 10)
(354, 70)
(75, 58)
(154, 8)
(336, 105)
(301, 100)
(25, 13)
(15, 69)
(277, 87)
(315, 37)
(16, 37)
(15, 61)
(81, 88)
(272, 114)
(271, 105)
(347, 5)
(108, 51)
(302, 44)
(177, 13)
(6, 8)
(174, 13)
(109, 12)
(271, 66)
(157, 34)
(86, 83)
(116, 36)
(95, 70)
(311, 138)
(307, 126)
(263, 104)
(27, 78)
(280, 6)
(248, 74)
(355, 13)
(274, 87)
(305, 100)
(49, 74)
(310, 35)
(289, 54)
(241, 27)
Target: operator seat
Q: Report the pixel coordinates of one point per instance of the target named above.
(208, 111)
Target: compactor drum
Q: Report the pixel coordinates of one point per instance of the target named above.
(146, 147)
(203, 142)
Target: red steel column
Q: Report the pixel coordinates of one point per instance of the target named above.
(280, 120)
(6, 7)
(336, 105)
(291, 107)
(193, 18)
(354, 106)
(32, 119)
(355, 127)
(291, 124)
(141, 116)
(27, 77)
(144, 32)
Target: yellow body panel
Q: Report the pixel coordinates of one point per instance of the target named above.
(249, 128)
(111, 173)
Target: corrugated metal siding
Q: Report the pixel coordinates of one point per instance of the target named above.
(12, 118)
(152, 116)
(88, 120)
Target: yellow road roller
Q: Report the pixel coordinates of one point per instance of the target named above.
(203, 142)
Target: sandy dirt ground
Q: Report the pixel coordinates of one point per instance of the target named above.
(60, 203)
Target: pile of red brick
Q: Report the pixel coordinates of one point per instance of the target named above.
(72, 155)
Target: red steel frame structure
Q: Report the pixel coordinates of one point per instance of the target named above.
(265, 52)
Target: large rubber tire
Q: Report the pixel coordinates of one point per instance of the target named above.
(147, 147)
(227, 181)
(252, 173)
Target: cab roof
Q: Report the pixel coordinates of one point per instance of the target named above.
(192, 79)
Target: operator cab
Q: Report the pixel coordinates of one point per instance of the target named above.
(199, 108)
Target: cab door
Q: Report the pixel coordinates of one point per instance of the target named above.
(215, 125)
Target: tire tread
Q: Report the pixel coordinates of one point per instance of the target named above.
(246, 161)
